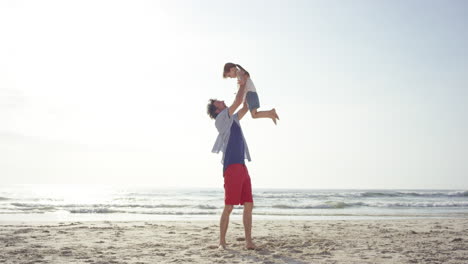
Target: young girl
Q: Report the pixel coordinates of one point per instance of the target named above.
(232, 70)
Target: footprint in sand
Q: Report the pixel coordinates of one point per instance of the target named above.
(66, 253)
(263, 252)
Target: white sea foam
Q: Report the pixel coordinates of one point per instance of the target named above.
(268, 202)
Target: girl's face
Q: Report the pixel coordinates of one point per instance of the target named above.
(232, 72)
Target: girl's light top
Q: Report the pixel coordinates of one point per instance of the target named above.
(249, 85)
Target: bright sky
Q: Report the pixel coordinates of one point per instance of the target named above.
(371, 94)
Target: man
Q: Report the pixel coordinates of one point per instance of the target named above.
(231, 141)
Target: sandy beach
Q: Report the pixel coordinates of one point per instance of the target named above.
(439, 240)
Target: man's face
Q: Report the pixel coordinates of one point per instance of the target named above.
(220, 106)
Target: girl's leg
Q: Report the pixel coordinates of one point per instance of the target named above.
(265, 114)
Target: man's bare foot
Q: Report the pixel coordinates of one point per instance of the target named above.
(250, 246)
(222, 246)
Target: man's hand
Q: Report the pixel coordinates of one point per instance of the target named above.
(245, 105)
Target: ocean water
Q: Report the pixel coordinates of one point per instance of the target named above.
(97, 203)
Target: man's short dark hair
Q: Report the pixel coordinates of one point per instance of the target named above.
(211, 109)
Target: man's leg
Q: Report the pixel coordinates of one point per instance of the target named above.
(223, 225)
(247, 218)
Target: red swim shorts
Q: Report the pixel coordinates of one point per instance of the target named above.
(237, 186)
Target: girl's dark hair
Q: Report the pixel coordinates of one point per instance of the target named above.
(240, 67)
(229, 65)
(211, 109)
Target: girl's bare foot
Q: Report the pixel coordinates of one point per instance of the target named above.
(274, 119)
(276, 115)
(273, 115)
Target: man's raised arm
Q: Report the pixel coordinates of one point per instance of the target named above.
(239, 96)
(241, 113)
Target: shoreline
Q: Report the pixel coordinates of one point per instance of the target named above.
(36, 222)
(427, 240)
(237, 214)
(234, 217)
